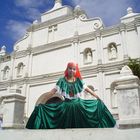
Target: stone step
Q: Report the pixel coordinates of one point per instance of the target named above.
(71, 134)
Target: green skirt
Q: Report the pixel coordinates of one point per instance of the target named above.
(76, 113)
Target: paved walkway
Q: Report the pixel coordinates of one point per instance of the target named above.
(72, 134)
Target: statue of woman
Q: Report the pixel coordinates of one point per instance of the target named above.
(88, 56)
(113, 52)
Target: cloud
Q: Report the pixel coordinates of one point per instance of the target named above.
(25, 11)
(29, 14)
(33, 13)
(31, 9)
(110, 11)
(31, 3)
(16, 29)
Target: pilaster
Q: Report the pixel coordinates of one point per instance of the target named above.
(123, 40)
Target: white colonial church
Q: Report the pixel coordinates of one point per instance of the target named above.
(65, 34)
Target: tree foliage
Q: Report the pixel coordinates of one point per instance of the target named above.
(134, 65)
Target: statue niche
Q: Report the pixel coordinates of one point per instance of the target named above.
(112, 51)
(88, 55)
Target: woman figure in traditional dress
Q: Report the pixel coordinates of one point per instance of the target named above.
(73, 112)
(71, 85)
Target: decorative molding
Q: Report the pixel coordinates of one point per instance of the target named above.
(45, 78)
(131, 26)
(3, 89)
(5, 58)
(106, 47)
(22, 53)
(78, 12)
(122, 27)
(82, 52)
(53, 77)
(29, 49)
(109, 31)
(51, 46)
(118, 28)
(137, 21)
(97, 22)
(46, 24)
(90, 76)
(23, 38)
(87, 39)
(10, 82)
(81, 38)
(97, 33)
(55, 45)
(62, 43)
(112, 72)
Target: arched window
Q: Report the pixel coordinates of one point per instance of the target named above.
(88, 57)
(112, 51)
(6, 72)
(20, 68)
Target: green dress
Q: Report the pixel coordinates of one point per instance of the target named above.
(72, 113)
(70, 90)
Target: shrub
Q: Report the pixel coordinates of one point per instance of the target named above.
(134, 65)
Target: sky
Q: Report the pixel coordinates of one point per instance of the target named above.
(17, 15)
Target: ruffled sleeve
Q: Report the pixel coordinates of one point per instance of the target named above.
(70, 89)
(59, 85)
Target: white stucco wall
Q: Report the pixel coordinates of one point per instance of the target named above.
(39, 37)
(52, 61)
(23, 43)
(133, 46)
(65, 30)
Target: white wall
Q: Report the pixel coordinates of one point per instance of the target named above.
(65, 30)
(84, 26)
(39, 37)
(133, 44)
(53, 61)
(23, 44)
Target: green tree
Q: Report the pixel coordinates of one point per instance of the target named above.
(134, 65)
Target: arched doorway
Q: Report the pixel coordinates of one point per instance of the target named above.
(43, 99)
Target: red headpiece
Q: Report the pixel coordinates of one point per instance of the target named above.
(72, 64)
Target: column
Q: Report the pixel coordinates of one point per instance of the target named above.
(100, 65)
(12, 65)
(99, 49)
(75, 45)
(123, 39)
(29, 60)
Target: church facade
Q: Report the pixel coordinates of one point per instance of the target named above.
(65, 34)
